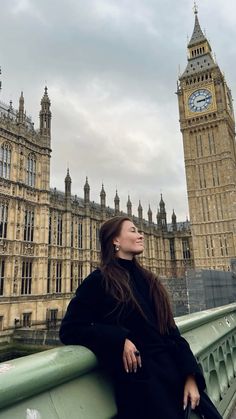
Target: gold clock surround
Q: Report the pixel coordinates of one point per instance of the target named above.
(189, 92)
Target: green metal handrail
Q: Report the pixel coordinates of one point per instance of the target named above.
(211, 334)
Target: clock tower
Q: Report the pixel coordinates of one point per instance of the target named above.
(208, 128)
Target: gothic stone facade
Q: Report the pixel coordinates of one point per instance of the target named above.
(49, 239)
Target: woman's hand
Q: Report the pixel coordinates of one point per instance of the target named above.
(191, 392)
(131, 357)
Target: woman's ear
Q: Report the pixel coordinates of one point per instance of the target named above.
(116, 241)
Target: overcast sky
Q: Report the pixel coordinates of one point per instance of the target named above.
(111, 68)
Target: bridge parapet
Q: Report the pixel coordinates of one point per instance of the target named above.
(212, 337)
(65, 382)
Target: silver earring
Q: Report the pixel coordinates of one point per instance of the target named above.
(117, 248)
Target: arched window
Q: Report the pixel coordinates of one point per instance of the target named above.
(3, 220)
(31, 170)
(5, 160)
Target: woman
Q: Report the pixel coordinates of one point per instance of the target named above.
(122, 313)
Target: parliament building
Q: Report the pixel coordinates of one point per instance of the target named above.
(49, 238)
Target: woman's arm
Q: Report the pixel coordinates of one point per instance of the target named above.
(185, 358)
(81, 325)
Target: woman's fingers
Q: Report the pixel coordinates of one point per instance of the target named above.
(131, 357)
(131, 361)
(191, 392)
(139, 361)
(194, 401)
(125, 364)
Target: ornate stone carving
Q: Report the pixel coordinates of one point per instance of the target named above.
(28, 249)
(3, 246)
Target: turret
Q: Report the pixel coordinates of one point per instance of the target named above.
(86, 192)
(129, 207)
(149, 215)
(140, 211)
(174, 221)
(68, 185)
(45, 115)
(21, 113)
(103, 197)
(117, 203)
(158, 219)
(162, 214)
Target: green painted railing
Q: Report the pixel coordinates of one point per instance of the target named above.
(65, 382)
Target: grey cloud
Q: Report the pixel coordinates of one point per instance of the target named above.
(111, 68)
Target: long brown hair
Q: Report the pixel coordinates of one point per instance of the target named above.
(115, 277)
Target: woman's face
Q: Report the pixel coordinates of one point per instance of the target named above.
(130, 242)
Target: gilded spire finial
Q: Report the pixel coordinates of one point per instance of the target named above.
(195, 8)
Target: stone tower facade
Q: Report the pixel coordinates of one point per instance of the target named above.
(208, 128)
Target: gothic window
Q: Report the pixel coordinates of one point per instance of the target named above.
(5, 161)
(221, 247)
(49, 278)
(213, 175)
(71, 277)
(58, 276)
(226, 247)
(3, 220)
(196, 138)
(199, 177)
(72, 234)
(80, 273)
(97, 238)
(146, 245)
(50, 229)
(91, 237)
(203, 175)
(216, 207)
(59, 230)
(2, 269)
(207, 248)
(26, 320)
(209, 141)
(26, 278)
(31, 170)
(172, 249)
(29, 225)
(186, 249)
(1, 322)
(80, 235)
(212, 246)
(200, 143)
(52, 320)
(156, 248)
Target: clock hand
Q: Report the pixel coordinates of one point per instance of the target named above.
(203, 100)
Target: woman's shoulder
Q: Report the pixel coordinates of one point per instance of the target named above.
(93, 282)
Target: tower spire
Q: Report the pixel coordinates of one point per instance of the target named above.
(199, 51)
(197, 35)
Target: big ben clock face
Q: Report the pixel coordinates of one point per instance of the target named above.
(200, 100)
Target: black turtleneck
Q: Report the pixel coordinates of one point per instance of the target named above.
(141, 292)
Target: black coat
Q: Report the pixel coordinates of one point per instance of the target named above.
(155, 391)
